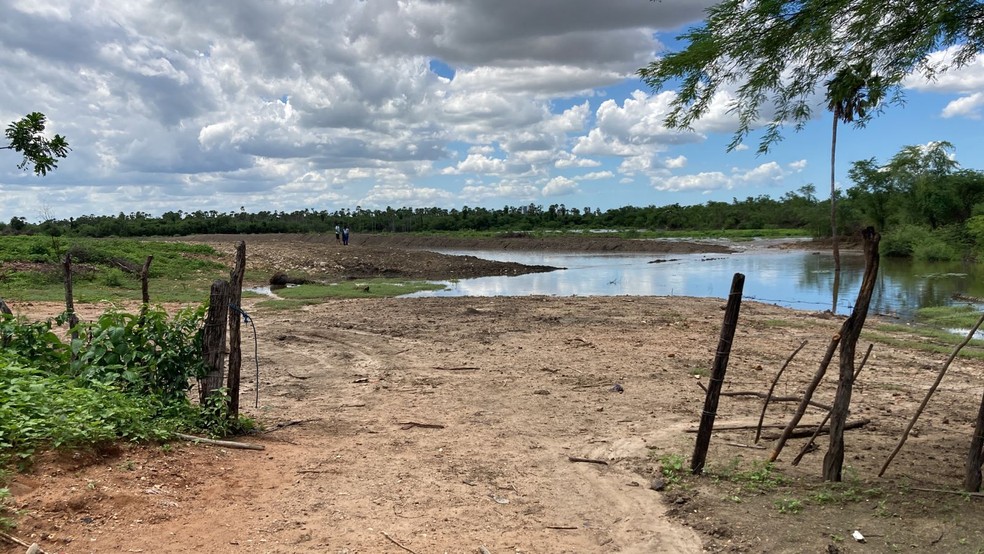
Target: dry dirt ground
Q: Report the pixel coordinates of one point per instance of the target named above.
(449, 425)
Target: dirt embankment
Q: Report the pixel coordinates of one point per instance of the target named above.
(409, 256)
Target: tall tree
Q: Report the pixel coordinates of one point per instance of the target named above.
(26, 136)
(852, 94)
(779, 52)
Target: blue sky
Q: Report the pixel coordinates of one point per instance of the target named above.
(329, 104)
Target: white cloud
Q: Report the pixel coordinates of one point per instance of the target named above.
(967, 106)
(676, 163)
(477, 163)
(703, 182)
(519, 190)
(566, 160)
(595, 175)
(635, 128)
(766, 174)
(559, 186)
(966, 81)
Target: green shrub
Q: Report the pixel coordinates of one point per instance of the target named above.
(41, 410)
(151, 354)
(901, 242)
(934, 249)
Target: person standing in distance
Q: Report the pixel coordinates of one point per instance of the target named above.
(338, 233)
(345, 235)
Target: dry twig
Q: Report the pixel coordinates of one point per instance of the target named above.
(587, 460)
(392, 540)
(226, 444)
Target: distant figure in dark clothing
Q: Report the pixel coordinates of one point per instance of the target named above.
(338, 233)
(345, 235)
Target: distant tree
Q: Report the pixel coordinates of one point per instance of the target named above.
(26, 136)
(779, 52)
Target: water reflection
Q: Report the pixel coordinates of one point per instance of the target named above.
(792, 278)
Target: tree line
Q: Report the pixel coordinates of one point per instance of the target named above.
(923, 203)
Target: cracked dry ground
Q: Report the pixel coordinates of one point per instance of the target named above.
(446, 425)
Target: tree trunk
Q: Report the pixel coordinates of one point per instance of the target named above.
(972, 478)
(213, 340)
(833, 200)
(833, 461)
(73, 319)
(235, 315)
(717, 374)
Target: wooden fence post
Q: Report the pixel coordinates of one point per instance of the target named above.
(213, 340)
(717, 375)
(73, 319)
(833, 460)
(235, 319)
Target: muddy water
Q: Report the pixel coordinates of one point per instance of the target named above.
(792, 278)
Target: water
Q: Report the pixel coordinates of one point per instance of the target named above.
(793, 278)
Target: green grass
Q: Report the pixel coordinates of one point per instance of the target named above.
(302, 295)
(106, 269)
(924, 338)
(949, 316)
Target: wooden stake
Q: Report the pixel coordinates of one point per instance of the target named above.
(801, 409)
(144, 287)
(73, 319)
(235, 320)
(929, 394)
(806, 447)
(772, 387)
(213, 340)
(717, 374)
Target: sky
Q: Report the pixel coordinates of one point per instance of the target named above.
(283, 105)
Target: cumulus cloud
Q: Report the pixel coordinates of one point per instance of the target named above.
(634, 128)
(966, 106)
(966, 81)
(766, 174)
(559, 186)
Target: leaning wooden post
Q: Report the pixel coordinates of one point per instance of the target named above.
(717, 374)
(235, 318)
(833, 460)
(73, 319)
(213, 340)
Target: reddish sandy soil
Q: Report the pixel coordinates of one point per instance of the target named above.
(449, 425)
